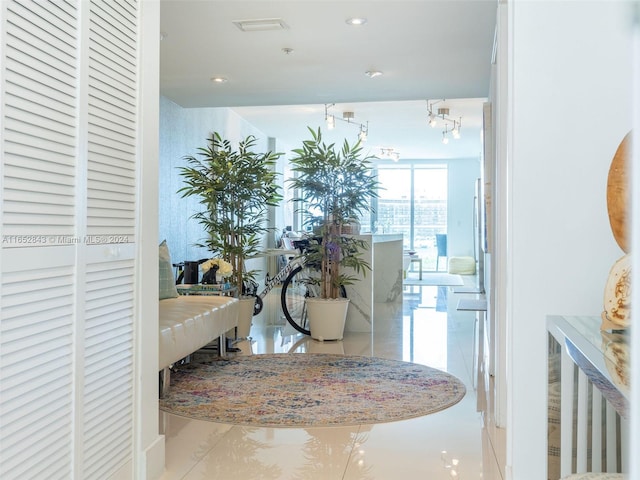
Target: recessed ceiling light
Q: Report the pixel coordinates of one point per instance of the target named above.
(218, 79)
(260, 24)
(373, 73)
(356, 21)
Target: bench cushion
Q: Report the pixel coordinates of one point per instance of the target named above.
(188, 323)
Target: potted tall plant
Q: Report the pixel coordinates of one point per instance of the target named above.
(333, 186)
(235, 188)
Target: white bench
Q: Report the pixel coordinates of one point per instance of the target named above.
(188, 323)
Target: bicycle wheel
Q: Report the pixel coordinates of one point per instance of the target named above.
(299, 285)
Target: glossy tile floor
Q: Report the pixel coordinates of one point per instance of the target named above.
(426, 328)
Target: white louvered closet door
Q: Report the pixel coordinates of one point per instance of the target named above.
(69, 181)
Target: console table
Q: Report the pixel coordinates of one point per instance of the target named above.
(206, 289)
(600, 357)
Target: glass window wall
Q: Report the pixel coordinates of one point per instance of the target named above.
(413, 202)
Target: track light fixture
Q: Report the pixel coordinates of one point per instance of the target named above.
(441, 116)
(445, 139)
(331, 121)
(390, 153)
(347, 117)
(364, 133)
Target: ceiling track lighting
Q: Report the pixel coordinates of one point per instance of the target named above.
(390, 153)
(364, 133)
(445, 139)
(347, 117)
(442, 115)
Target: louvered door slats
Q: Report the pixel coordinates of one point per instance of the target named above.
(46, 362)
(111, 51)
(120, 15)
(112, 106)
(70, 179)
(19, 73)
(35, 395)
(59, 183)
(116, 188)
(59, 16)
(42, 96)
(105, 132)
(38, 157)
(105, 97)
(121, 120)
(108, 366)
(55, 23)
(35, 95)
(111, 126)
(40, 136)
(32, 44)
(39, 117)
(23, 206)
(50, 464)
(124, 152)
(52, 124)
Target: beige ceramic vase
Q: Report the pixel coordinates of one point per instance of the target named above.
(617, 294)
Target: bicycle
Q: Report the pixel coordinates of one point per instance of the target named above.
(300, 284)
(299, 281)
(281, 277)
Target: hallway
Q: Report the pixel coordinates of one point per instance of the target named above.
(453, 443)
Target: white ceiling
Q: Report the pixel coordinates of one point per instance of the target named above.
(426, 49)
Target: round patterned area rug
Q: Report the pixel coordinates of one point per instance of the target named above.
(309, 390)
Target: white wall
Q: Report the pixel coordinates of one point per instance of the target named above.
(569, 106)
(462, 176)
(149, 443)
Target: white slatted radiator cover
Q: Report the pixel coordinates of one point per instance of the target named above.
(69, 77)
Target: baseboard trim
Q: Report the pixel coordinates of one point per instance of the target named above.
(154, 459)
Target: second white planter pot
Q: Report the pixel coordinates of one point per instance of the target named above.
(245, 315)
(327, 317)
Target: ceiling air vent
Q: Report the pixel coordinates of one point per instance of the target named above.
(260, 24)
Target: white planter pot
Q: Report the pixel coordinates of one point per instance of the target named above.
(245, 315)
(327, 317)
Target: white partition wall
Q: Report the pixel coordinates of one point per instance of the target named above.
(558, 247)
